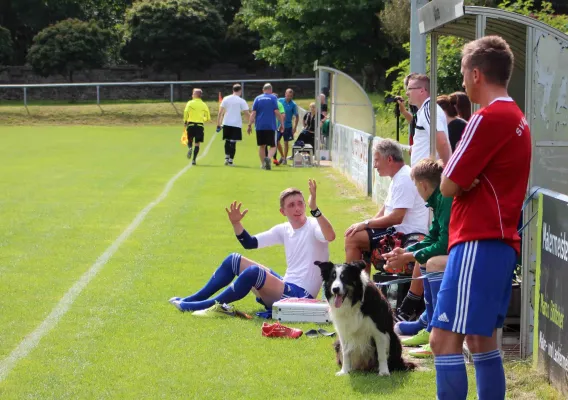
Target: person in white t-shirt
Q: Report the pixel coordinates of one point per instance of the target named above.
(404, 210)
(418, 92)
(305, 241)
(230, 113)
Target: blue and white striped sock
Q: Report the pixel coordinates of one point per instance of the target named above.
(224, 275)
(451, 377)
(489, 375)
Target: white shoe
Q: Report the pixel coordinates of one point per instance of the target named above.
(174, 299)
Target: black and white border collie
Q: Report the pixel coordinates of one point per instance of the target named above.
(363, 320)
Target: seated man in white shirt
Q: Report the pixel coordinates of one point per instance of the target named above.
(305, 241)
(404, 210)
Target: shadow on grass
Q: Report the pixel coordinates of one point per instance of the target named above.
(370, 382)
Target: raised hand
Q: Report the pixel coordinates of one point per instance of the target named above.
(234, 212)
(312, 199)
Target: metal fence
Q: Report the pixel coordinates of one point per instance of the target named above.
(98, 85)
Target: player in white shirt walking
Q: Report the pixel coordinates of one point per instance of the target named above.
(305, 241)
(418, 92)
(230, 113)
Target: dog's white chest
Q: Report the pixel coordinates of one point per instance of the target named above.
(354, 328)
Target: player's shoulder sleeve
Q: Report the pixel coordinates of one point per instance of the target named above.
(271, 237)
(224, 102)
(281, 108)
(425, 111)
(244, 105)
(295, 108)
(481, 140)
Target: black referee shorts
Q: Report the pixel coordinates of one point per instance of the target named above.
(195, 132)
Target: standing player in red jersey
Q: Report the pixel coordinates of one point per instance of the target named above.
(488, 177)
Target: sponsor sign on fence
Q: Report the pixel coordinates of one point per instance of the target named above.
(350, 154)
(551, 302)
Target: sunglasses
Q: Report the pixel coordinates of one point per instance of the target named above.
(413, 88)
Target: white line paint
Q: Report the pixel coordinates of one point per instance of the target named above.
(32, 340)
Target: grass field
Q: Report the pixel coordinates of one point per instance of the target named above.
(68, 193)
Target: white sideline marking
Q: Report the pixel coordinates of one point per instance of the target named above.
(32, 340)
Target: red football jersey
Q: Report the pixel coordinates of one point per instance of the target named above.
(496, 149)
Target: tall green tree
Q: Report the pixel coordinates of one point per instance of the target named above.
(68, 46)
(25, 18)
(345, 34)
(6, 46)
(172, 34)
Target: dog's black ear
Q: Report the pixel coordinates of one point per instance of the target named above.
(360, 264)
(326, 267)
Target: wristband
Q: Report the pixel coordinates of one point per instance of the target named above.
(316, 213)
(247, 241)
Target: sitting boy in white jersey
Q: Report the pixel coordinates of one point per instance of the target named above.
(305, 241)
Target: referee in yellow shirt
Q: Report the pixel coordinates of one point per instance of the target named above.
(195, 114)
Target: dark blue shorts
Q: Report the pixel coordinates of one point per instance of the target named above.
(288, 135)
(476, 288)
(290, 290)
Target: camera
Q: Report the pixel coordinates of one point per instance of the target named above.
(393, 99)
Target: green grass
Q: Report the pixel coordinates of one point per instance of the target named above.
(70, 191)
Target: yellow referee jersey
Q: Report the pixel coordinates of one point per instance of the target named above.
(196, 111)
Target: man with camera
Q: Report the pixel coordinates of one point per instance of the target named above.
(409, 116)
(418, 92)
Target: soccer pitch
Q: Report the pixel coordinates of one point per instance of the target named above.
(69, 205)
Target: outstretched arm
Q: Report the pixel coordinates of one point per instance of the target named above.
(324, 224)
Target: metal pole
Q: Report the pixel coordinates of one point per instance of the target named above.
(26, 99)
(99, 98)
(528, 277)
(433, 91)
(243, 90)
(172, 93)
(417, 41)
(318, 122)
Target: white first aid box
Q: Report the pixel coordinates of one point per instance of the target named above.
(301, 310)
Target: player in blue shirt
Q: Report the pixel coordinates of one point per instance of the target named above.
(291, 113)
(264, 108)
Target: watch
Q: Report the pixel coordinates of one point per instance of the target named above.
(366, 222)
(316, 213)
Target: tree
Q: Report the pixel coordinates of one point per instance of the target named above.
(343, 33)
(172, 34)
(68, 46)
(6, 49)
(395, 20)
(25, 18)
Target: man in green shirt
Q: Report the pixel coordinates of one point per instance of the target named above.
(431, 253)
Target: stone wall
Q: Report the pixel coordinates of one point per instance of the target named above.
(25, 75)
